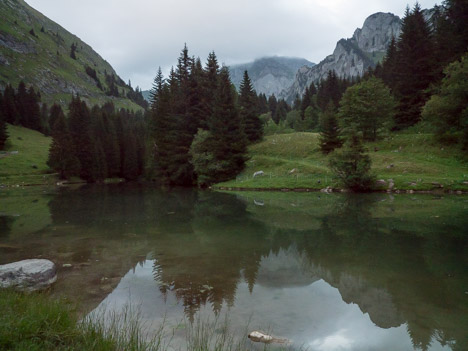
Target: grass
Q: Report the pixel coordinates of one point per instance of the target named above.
(36, 322)
(28, 165)
(293, 161)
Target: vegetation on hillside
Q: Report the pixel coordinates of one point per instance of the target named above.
(58, 64)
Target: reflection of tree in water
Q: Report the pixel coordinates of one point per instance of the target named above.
(206, 264)
(206, 243)
(5, 225)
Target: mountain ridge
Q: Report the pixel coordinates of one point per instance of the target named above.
(37, 50)
(352, 56)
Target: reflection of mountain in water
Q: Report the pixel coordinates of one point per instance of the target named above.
(285, 269)
(392, 257)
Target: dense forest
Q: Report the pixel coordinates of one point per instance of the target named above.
(197, 128)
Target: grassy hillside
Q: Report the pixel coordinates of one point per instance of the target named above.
(25, 157)
(413, 161)
(42, 58)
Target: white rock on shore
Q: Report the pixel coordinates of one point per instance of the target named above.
(28, 275)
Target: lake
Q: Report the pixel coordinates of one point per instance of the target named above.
(327, 271)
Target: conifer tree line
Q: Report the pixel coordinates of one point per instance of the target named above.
(97, 143)
(422, 78)
(201, 125)
(22, 107)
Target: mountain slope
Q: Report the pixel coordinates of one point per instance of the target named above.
(38, 51)
(351, 57)
(269, 75)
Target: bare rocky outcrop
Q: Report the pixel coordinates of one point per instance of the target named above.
(28, 275)
(351, 57)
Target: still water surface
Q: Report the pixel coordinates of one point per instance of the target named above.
(329, 272)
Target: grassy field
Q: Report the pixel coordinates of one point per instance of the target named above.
(293, 161)
(24, 161)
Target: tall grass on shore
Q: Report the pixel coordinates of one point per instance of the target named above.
(36, 322)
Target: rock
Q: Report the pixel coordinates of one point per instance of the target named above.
(351, 57)
(391, 165)
(328, 189)
(28, 275)
(67, 265)
(391, 185)
(258, 173)
(257, 336)
(380, 183)
(292, 171)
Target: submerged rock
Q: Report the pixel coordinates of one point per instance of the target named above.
(28, 275)
(257, 336)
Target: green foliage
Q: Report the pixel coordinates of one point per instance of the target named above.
(61, 156)
(367, 108)
(415, 67)
(203, 158)
(252, 124)
(329, 139)
(3, 126)
(448, 110)
(352, 166)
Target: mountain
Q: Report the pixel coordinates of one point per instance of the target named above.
(351, 57)
(269, 75)
(38, 51)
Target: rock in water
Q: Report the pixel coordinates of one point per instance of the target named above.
(28, 275)
(257, 336)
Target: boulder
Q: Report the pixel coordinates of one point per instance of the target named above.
(258, 173)
(28, 275)
(381, 183)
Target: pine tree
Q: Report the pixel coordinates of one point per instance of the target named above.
(416, 67)
(61, 153)
(252, 124)
(55, 113)
(10, 111)
(228, 142)
(83, 148)
(352, 165)
(329, 139)
(3, 125)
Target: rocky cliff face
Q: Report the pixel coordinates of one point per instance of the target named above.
(269, 75)
(351, 57)
(36, 50)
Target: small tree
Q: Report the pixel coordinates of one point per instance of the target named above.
(352, 166)
(329, 138)
(203, 158)
(73, 51)
(3, 126)
(367, 107)
(249, 115)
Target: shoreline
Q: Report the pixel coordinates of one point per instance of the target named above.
(330, 190)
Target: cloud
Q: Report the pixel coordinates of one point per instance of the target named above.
(138, 36)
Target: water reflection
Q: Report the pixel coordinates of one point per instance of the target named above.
(335, 272)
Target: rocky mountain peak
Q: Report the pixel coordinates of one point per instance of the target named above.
(351, 57)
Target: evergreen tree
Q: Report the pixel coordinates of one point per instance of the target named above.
(156, 88)
(73, 51)
(10, 111)
(272, 105)
(416, 67)
(329, 138)
(228, 142)
(32, 117)
(352, 165)
(389, 69)
(61, 153)
(330, 89)
(55, 113)
(44, 120)
(3, 125)
(83, 148)
(252, 124)
(262, 104)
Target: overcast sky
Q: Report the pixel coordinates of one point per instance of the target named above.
(137, 36)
